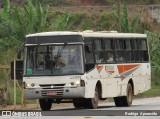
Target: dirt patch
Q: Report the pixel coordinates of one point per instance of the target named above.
(132, 9)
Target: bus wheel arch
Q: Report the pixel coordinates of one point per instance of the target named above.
(123, 101)
(132, 84)
(99, 88)
(129, 97)
(92, 103)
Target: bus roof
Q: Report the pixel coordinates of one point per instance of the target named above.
(55, 33)
(91, 34)
(114, 35)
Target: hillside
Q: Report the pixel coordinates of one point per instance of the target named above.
(94, 14)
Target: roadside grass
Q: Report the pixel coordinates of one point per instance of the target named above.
(153, 92)
(18, 93)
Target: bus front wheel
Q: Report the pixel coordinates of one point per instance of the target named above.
(93, 102)
(45, 104)
(125, 100)
(78, 103)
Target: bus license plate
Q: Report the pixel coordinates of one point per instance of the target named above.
(51, 93)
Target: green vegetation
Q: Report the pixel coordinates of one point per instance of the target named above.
(16, 22)
(127, 25)
(154, 39)
(67, 21)
(79, 21)
(153, 92)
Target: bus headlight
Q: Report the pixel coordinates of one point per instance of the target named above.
(77, 83)
(33, 84)
(27, 85)
(30, 85)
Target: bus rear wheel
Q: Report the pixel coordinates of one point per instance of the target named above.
(92, 103)
(125, 100)
(45, 104)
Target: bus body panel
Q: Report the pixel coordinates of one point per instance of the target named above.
(115, 84)
(68, 92)
(61, 85)
(90, 88)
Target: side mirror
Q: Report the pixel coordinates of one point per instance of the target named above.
(18, 70)
(19, 54)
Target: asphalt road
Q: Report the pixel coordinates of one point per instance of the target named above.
(140, 107)
(147, 108)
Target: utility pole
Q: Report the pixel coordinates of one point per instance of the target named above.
(14, 84)
(119, 15)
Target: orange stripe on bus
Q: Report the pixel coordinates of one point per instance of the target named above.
(99, 67)
(124, 68)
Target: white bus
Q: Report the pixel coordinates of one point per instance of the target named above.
(85, 67)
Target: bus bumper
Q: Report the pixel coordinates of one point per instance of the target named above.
(72, 92)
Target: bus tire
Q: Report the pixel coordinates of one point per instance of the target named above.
(45, 104)
(78, 103)
(118, 101)
(128, 99)
(92, 103)
(125, 100)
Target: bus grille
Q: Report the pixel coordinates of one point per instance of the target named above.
(57, 88)
(51, 86)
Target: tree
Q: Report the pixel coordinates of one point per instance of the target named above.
(15, 23)
(154, 46)
(127, 25)
(31, 19)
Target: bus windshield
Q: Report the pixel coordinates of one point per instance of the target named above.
(54, 60)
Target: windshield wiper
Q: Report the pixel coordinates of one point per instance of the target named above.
(58, 63)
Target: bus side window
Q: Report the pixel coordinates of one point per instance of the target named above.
(119, 50)
(132, 50)
(89, 53)
(98, 51)
(142, 46)
(109, 50)
(108, 44)
(89, 57)
(127, 47)
(99, 57)
(135, 52)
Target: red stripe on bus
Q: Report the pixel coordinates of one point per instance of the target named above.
(124, 68)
